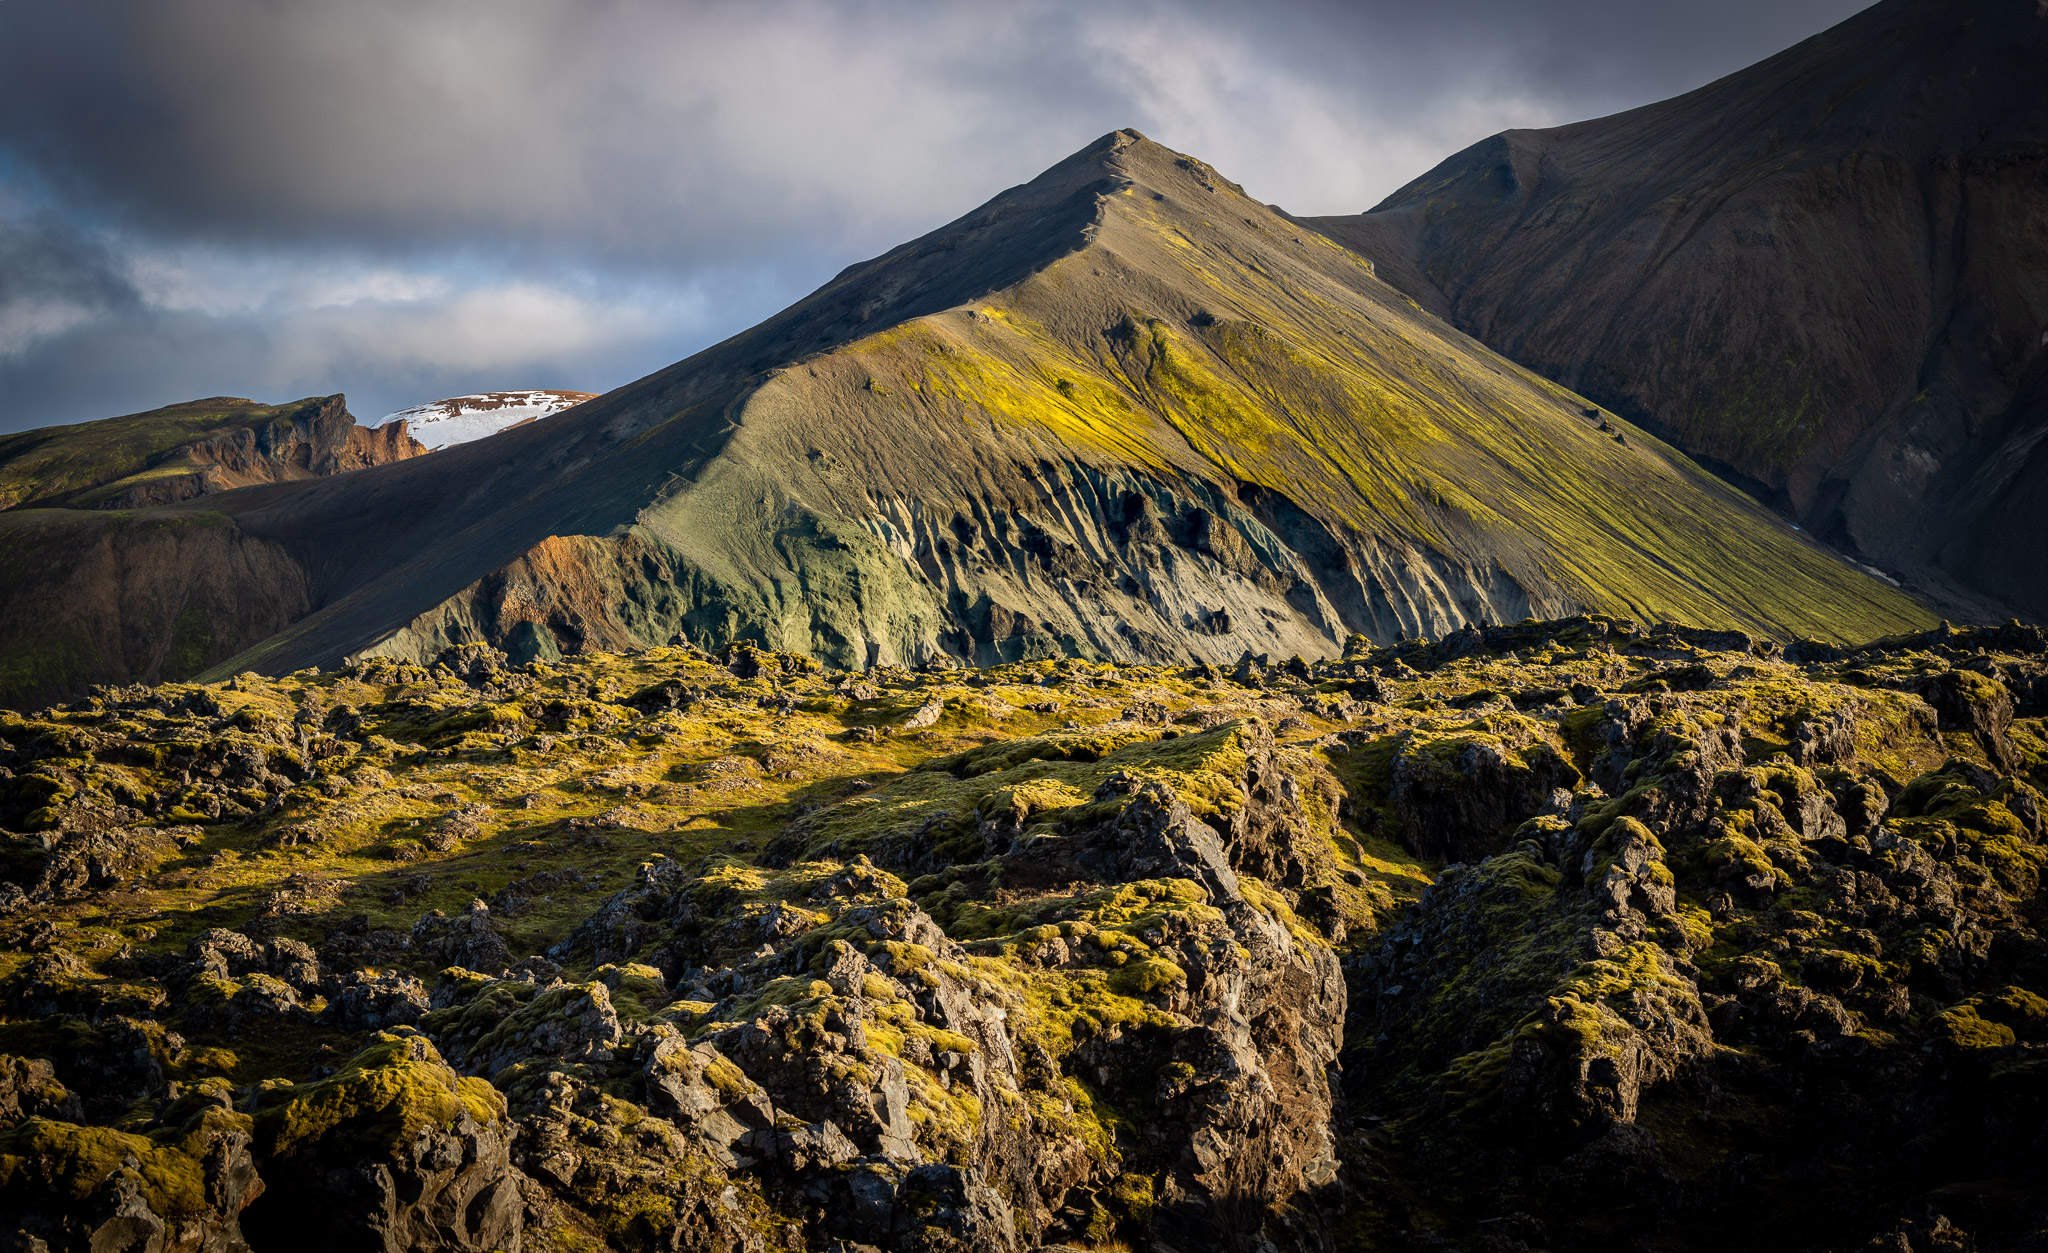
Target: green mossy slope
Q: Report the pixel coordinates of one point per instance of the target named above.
(68, 464)
(1123, 411)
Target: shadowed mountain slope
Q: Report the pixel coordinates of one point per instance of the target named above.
(1122, 411)
(102, 587)
(1826, 274)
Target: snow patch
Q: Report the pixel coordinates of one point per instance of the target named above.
(460, 419)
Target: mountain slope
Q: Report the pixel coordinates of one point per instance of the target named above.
(1827, 273)
(1122, 411)
(102, 587)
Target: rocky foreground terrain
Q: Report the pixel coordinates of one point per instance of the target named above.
(1565, 935)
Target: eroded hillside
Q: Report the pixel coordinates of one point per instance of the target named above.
(1168, 424)
(1564, 935)
(100, 583)
(1121, 412)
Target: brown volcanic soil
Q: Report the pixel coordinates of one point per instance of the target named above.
(1826, 274)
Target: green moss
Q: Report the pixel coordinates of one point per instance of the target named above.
(1997, 1020)
(380, 1100)
(74, 1162)
(1052, 778)
(637, 991)
(1146, 976)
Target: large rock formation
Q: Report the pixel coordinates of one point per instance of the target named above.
(193, 449)
(395, 1153)
(175, 1178)
(1825, 275)
(1122, 411)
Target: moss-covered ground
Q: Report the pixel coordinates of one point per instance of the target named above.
(1698, 783)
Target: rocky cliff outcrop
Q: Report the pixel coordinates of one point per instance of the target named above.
(311, 440)
(395, 1152)
(181, 451)
(97, 592)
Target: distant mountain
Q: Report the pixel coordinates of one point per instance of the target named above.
(1123, 411)
(460, 419)
(1826, 274)
(101, 585)
(192, 449)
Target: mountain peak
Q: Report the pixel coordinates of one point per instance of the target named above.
(1119, 411)
(1128, 153)
(1711, 264)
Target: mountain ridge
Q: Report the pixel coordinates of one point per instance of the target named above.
(1825, 275)
(1120, 411)
(197, 448)
(1060, 215)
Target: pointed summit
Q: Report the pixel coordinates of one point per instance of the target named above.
(1121, 411)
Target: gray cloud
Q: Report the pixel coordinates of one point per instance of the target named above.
(53, 278)
(387, 196)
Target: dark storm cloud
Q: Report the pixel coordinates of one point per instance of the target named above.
(388, 196)
(54, 277)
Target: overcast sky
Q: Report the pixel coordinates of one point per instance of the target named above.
(409, 199)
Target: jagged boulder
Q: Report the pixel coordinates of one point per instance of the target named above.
(942, 1208)
(58, 865)
(706, 1096)
(367, 1000)
(395, 1152)
(181, 1180)
(29, 1089)
(1978, 704)
(467, 940)
(1153, 835)
(630, 919)
(1458, 796)
(488, 1025)
(229, 955)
